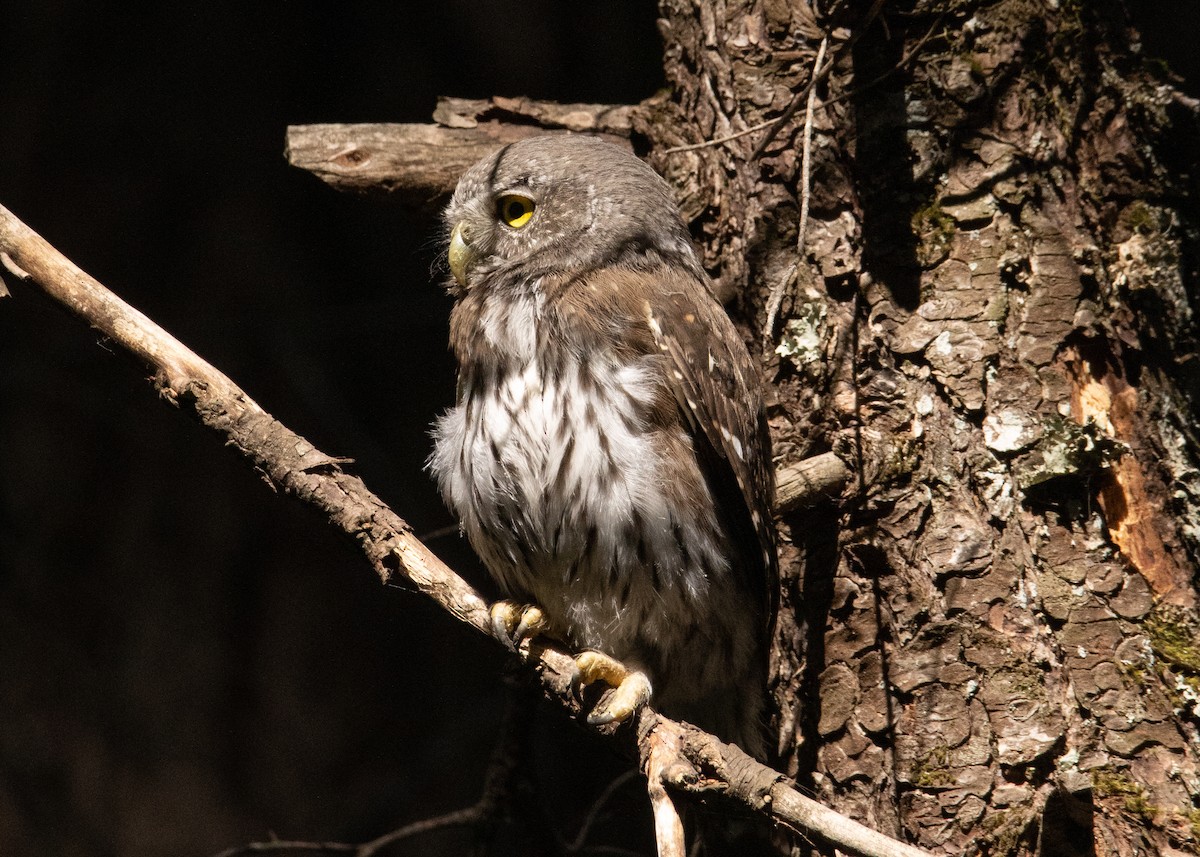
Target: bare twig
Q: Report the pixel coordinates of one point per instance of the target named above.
(288, 846)
(505, 758)
(803, 484)
(820, 72)
(899, 66)
(736, 135)
(459, 818)
(14, 269)
(440, 533)
(800, 96)
(294, 465)
(585, 829)
(776, 298)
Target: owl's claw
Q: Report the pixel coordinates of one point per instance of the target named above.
(513, 623)
(631, 689)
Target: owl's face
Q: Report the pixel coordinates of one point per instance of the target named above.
(563, 203)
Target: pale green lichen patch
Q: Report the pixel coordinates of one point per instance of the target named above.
(1174, 636)
(1066, 448)
(1112, 783)
(934, 228)
(803, 336)
(931, 771)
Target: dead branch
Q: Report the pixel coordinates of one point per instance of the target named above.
(697, 762)
(423, 162)
(809, 482)
(780, 288)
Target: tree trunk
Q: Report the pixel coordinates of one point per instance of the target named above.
(991, 646)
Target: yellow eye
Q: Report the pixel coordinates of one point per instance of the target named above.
(514, 209)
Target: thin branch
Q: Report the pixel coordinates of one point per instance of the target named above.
(440, 533)
(899, 66)
(585, 829)
(504, 760)
(699, 763)
(737, 135)
(820, 72)
(459, 818)
(13, 269)
(800, 96)
(288, 846)
(477, 814)
(776, 299)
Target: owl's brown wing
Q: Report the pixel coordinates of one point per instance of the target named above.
(717, 388)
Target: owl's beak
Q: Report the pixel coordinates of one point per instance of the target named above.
(461, 254)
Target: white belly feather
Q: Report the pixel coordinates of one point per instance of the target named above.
(562, 495)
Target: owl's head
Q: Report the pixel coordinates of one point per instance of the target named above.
(549, 205)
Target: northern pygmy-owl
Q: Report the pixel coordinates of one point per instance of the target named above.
(608, 457)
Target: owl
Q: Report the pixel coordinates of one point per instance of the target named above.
(608, 457)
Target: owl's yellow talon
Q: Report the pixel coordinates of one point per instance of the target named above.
(631, 689)
(513, 623)
(533, 622)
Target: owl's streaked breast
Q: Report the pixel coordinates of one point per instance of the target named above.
(570, 489)
(557, 480)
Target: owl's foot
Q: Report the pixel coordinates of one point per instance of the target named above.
(513, 623)
(631, 689)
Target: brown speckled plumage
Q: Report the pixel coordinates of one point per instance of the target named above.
(608, 457)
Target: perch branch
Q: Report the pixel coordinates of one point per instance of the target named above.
(700, 762)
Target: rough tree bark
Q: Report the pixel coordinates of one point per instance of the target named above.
(992, 318)
(991, 644)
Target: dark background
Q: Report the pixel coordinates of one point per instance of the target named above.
(188, 661)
